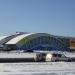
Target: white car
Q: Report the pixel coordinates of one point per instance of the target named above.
(57, 57)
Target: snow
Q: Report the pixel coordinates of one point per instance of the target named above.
(17, 55)
(38, 68)
(18, 38)
(42, 68)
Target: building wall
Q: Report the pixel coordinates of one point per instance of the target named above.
(39, 41)
(72, 44)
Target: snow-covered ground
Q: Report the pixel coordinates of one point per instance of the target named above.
(28, 55)
(17, 55)
(37, 68)
(40, 68)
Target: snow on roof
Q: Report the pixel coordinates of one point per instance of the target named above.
(2, 37)
(18, 38)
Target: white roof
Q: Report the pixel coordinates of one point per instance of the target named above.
(2, 37)
(18, 38)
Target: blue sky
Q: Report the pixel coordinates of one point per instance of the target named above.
(49, 16)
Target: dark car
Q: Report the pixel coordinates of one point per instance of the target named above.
(59, 57)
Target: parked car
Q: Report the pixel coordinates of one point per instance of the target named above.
(53, 57)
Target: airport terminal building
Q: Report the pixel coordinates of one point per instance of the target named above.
(36, 41)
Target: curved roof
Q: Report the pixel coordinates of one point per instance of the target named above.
(2, 37)
(20, 37)
(5, 39)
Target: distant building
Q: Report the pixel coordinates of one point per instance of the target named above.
(36, 41)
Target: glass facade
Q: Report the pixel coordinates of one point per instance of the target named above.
(43, 43)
